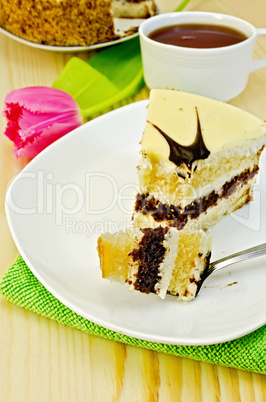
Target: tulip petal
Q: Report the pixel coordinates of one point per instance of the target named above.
(42, 99)
(38, 116)
(30, 148)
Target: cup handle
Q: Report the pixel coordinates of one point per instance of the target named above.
(255, 64)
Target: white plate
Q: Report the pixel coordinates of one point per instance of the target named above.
(122, 25)
(84, 184)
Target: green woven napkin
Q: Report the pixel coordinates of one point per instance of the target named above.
(21, 287)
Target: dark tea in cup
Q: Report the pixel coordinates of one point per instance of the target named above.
(198, 35)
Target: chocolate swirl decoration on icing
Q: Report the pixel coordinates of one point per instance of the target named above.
(186, 153)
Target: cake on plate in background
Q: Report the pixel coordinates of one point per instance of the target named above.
(69, 22)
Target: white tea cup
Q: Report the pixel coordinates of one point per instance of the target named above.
(220, 73)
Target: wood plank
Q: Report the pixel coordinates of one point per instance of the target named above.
(41, 360)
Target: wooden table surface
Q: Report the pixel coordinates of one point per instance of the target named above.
(41, 360)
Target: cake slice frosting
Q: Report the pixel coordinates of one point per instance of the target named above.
(199, 160)
(160, 260)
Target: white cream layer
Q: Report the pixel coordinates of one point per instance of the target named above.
(190, 193)
(166, 267)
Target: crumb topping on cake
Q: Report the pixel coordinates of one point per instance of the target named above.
(59, 23)
(70, 22)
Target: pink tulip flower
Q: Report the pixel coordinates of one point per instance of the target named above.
(38, 116)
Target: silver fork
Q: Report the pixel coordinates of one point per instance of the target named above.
(232, 259)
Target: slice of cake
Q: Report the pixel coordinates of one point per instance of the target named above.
(199, 160)
(133, 8)
(160, 260)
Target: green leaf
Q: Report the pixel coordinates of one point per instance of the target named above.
(120, 64)
(107, 78)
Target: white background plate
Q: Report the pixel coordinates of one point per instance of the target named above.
(80, 184)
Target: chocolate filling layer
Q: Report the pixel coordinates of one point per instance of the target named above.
(164, 212)
(149, 256)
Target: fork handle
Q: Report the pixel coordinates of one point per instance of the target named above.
(240, 256)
